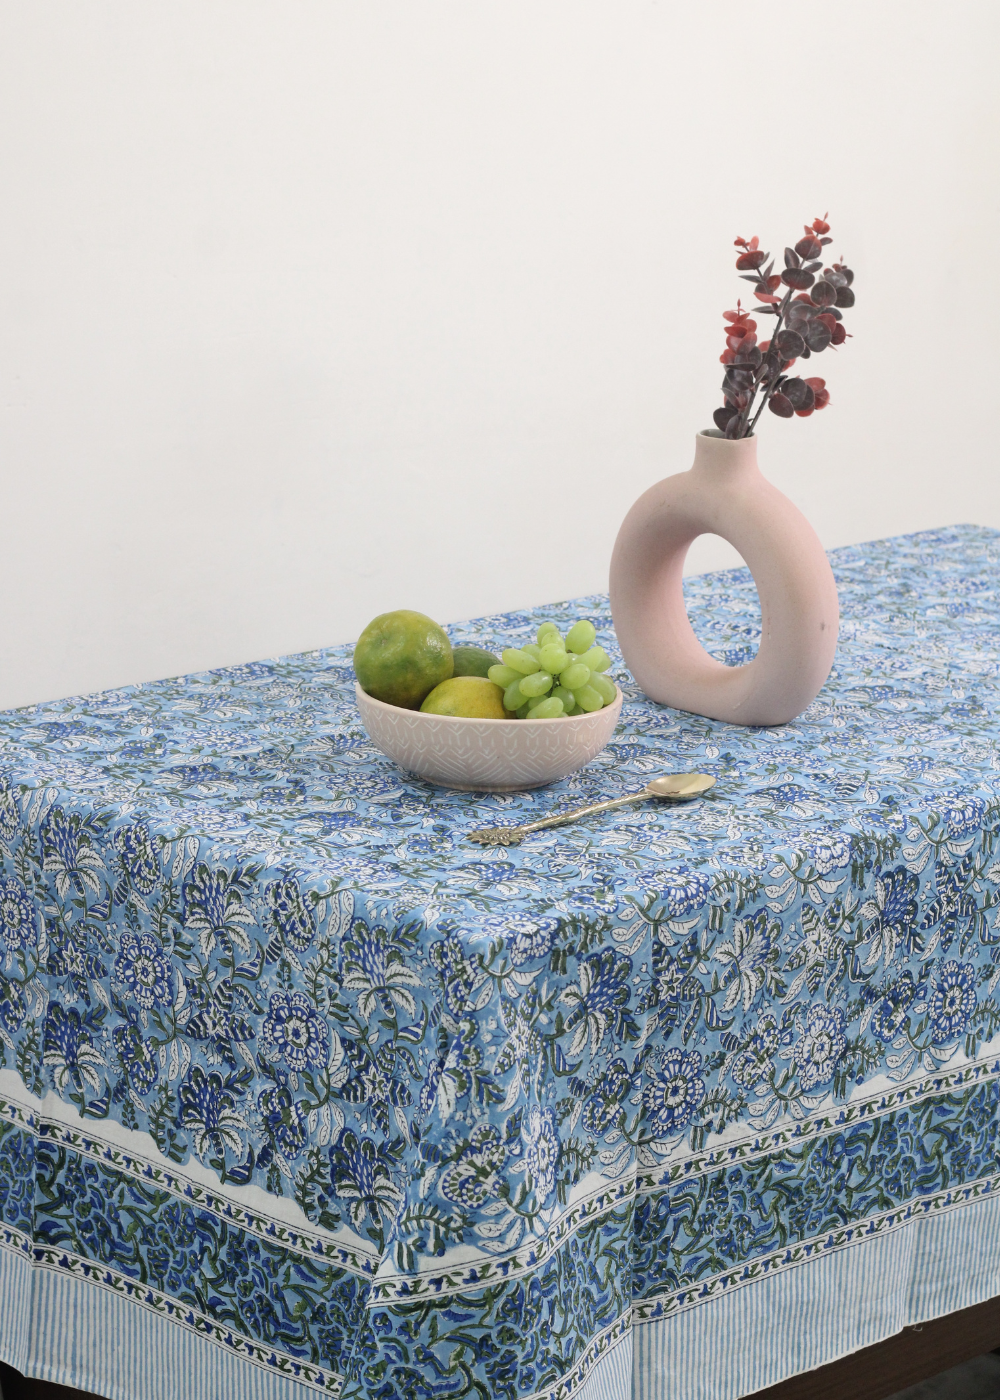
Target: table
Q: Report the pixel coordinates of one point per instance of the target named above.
(303, 1093)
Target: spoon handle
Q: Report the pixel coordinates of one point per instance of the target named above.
(511, 835)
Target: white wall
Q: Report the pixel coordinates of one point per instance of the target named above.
(315, 308)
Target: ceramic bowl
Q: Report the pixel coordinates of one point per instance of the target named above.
(487, 755)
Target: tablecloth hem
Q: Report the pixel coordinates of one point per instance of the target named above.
(799, 1320)
(93, 1339)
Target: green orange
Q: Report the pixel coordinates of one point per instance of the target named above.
(474, 661)
(401, 656)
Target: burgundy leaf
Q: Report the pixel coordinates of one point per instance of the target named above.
(797, 278)
(789, 344)
(845, 296)
(839, 335)
(737, 380)
(798, 393)
(823, 294)
(817, 336)
(779, 404)
(808, 247)
(792, 258)
(746, 261)
(722, 417)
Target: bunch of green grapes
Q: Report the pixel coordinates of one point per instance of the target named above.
(553, 677)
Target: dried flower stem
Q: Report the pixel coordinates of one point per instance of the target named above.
(808, 319)
(765, 375)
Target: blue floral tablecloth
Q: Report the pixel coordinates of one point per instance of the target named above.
(303, 1093)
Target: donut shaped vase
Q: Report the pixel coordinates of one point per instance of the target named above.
(724, 494)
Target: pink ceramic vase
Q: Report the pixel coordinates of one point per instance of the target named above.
(724, 494)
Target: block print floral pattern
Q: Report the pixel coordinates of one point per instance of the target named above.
(497, 1086)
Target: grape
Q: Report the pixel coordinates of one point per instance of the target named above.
(596, 658)
(512, 697)
(580, 636)
(519, 661)
(536, 684)
(575, 675)
(587, 698)
(551, 677)
(554, 657)
(605, 688)
(566, 696)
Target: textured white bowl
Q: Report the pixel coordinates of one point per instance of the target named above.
(487, 755)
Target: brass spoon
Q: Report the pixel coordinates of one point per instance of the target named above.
(677, 787)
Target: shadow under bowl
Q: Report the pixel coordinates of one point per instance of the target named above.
(486, 755)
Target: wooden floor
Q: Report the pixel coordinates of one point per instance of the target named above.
(881, 1372)
(973, 1380)
(913, 1355)
(16, 1387)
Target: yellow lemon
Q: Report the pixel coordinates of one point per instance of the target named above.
(470, 697)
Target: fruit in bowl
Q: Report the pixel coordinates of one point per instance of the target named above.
(539, 712)
(553, 677)
(401, 656)
(466, 697)
(473, 661)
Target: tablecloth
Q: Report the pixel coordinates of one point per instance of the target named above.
(303, 1093)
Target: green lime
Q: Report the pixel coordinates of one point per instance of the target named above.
(401, 656)
(469, 697)
(473, 661)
